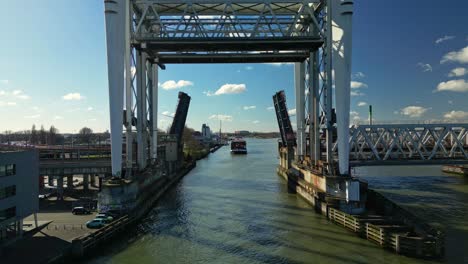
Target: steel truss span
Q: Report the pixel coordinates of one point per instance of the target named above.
(409, 144)
(226, 31)
(144, 35)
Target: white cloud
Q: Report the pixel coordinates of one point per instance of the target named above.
(453, 85)
(460, 56)
(292, 112)
(73, 96)
(413, 111)
(221, 117)
(278, 64)
(256, 122)
(90, 108)
(92, 120)
(7, 103)
(358, 75)
(362, 104)
(167, 113)
(270, 108)
(4, 81)
(357, 93)
(355, 118)
(249, 107)
(426, 67)
(20, 95)
(57, 117)
(456, 115)
(171, 84)
(2, 92)
(32, 116)
(358, 85)
(457, 72)
(444, 38)
(231, 89)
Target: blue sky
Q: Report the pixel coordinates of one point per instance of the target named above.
(403, 52)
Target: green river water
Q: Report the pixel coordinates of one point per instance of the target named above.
(235, 209)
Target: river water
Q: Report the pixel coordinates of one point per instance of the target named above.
(235, 209)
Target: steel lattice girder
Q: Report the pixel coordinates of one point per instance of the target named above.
(411, 143)
(225, 31)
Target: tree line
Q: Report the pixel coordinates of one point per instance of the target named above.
(52, 136)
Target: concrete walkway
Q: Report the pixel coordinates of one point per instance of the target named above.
(50, 241)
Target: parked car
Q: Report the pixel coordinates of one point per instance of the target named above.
(95, 223)
(44, 196)
(105, 217)
(80, 210)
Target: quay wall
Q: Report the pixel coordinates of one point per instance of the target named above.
(395, 229)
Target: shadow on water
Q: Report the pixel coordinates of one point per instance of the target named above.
(438, 198)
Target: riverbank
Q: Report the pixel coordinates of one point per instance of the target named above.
(384, 222)
(69, 238)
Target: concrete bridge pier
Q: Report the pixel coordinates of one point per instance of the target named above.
(85, 182)
(41, 182)
(70, 182)
(93, 180)
(60, 188)
(50, 180)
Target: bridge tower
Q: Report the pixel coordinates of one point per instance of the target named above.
(143, 36)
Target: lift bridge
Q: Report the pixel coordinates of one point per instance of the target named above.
(144, 36)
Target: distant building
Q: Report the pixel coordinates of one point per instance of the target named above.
(19, 190)
(206, 131)
(242, 132)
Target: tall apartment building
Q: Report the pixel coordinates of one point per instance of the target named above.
(206, 131)
(19, 190)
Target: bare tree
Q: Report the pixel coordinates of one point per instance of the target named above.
(52, 136)
(42, 135)
(85, 135)
(34, 136)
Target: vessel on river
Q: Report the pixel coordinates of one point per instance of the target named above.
(238, 146)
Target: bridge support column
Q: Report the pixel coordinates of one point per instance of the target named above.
(141, 109)
(85, 182)
(60, 188)
(314, 108)
(328, 84)
(93, 180)
(70, 182)
(41, 182)
(115, 38)
(128, 95)
(154, 112)
(299, 83)
(342, 34)
(50, 180)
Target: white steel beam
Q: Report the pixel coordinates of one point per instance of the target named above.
(141, 108)
(315, 99)
(128, 92)
(328, 100)
(342, 47)
(115, 38)
(154, 110)
(299, 83)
